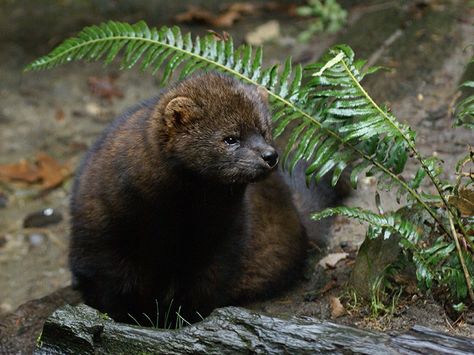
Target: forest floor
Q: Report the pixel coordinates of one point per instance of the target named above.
(52, 117)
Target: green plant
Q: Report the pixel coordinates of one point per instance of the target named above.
(168, 322)
(39, 342)
(104, 316)
(379, 297)
(333, 123)
(352, 301)
(327, 15)
(465, 108)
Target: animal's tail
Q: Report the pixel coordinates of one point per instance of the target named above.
(315, 198)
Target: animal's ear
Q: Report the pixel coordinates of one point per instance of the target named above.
(263, 92)
(180, 110)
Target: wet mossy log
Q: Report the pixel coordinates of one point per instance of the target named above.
(82, 330)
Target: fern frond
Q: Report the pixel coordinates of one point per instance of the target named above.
(334, 122)
(393, 222)
(350, 111)
(372, 130)
(426, 260)
(465, 109)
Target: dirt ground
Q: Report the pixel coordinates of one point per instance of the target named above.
(56, 112)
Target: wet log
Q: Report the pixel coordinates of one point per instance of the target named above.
(83, 330)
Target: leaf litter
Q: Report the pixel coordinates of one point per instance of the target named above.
(44, 171)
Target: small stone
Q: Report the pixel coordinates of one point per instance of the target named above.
(36, 239)
(3, 200)
(78, 113)
(264, 33)
(93, 109)
(42, 218)
(5, 307)
(369, 180)
(3, 241)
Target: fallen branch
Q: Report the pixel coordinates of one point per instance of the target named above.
(81, 329)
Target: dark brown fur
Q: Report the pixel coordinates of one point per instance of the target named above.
(163, 211)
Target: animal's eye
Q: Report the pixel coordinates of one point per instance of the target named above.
(231, 140)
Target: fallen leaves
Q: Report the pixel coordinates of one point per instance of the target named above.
(228, 16)
(330, 260)
(337, 309)
(44, 170)
(104, 87)
(21, 171)
(201, 15)
(464, 202)
(332, 284)
(59, 115)
(224, 36)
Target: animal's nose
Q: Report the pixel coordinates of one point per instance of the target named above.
(271, 157)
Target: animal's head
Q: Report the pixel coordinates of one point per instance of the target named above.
(219, 128)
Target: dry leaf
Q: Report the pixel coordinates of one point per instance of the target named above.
(408, 282)
(45, 171)
(464, 202)
(329, 286)
(59, 115)
(21, 171)
(198, 14)
(194, 14)
(330, 260)
(263, 33)
(51, 171)
(228, 16)
(337, 309)
(248, 8)
(244, 7)
(224, 36)
(104, 87)
(226, 19)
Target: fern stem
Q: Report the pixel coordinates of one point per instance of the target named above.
(160, 43)
(461, 259)
(451, 213)
(416, 154)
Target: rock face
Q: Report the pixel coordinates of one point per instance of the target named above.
(83, 330)
(374, 256)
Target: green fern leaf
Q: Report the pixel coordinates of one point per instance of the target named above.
(465, 108)
(427, 260)
(394, 222)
